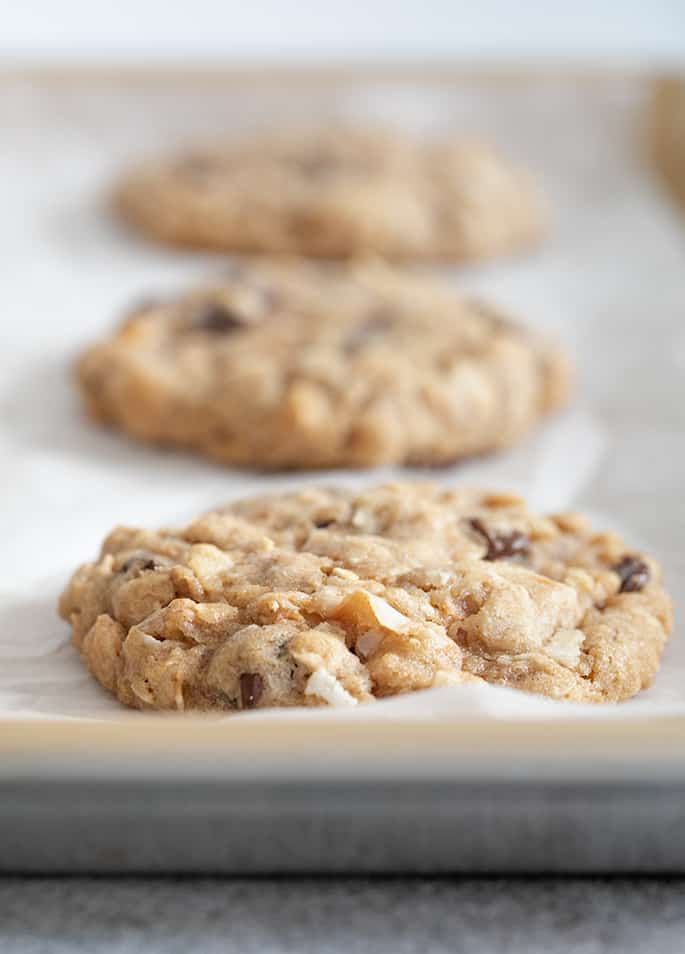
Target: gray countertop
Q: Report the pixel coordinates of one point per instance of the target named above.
(354, 916)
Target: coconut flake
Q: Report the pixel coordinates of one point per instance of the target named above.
(564, 647)
(367, 610)
(322, 684)
(368, 643)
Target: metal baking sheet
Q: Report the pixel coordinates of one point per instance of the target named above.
(199, 795)
(485, 783)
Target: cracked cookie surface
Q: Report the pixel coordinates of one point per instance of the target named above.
(337, 193)
(289, 365)
(327, 597)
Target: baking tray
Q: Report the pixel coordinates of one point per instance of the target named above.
(552, 791)
(199, 795)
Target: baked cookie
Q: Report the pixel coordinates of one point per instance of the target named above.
(335, 194)
(327, 597)
(668, 134)
(305, 366)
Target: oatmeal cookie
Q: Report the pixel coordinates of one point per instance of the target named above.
(336, 193)
(329, 597)
(286, 366)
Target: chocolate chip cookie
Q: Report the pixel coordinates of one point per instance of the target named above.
(306, 366)
(327, 597)
(337, 193)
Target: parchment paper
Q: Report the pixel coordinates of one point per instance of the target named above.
(610, 282)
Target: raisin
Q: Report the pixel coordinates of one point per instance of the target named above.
(217, 319)
(502, 545)
(633, 574)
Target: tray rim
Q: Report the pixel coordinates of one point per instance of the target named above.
(458, 748)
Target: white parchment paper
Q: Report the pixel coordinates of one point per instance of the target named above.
(610, 282)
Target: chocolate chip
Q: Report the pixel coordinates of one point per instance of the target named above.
(373, 328)
(322, 524)
(251, 689)
(633, 573)
(217, 319)
(502, 545)
(138, 563)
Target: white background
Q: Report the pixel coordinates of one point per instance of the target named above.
(631, 32)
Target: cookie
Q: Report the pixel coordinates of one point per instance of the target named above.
(668, 135)
(327, 597)
(305, 366)
(337, 193)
